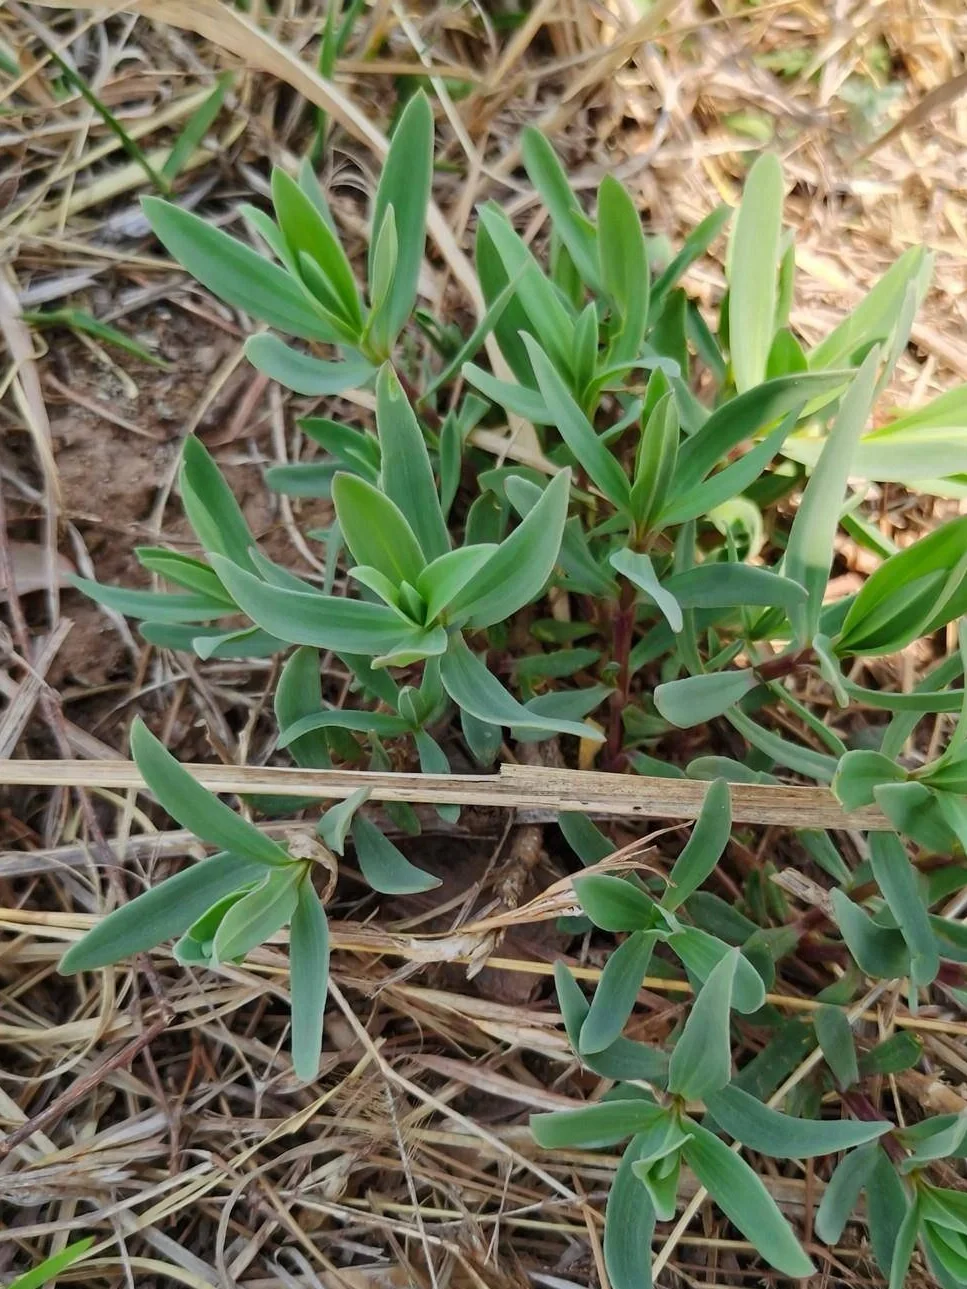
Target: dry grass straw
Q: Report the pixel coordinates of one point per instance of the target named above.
(196, 1159)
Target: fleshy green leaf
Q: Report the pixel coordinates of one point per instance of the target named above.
(473, 688)
(744, 1200)
(638, 568)
(570, 222)
(753, 266)
(239, 276)
(614, 904)
(259, 914)
(152, 605)
(335, 824)
(384, 865)
(576, 430)
(698, 699)
(783, 1136)
(303, 373)
(810, 548)
(702, 1060)
(375, 529)
(406, 474)
(297, 695)
(404, 184)
(304, 618)
(307, 232)
(161, 913)
(879, 952)
(308, 979)
(518, 570)
(629, 1224)
(625, 273)
(617, 991)
(594, 1126)
(851, 1175)
(194, 807)
(624, 1059)
(704, 848)
(718, 585)
(859, 773)
(893, 873)
(836, 1039)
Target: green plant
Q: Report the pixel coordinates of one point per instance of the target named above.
(656, 512)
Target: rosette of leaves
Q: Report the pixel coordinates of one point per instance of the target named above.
(422, 595)
(222, 907)
(305, 286)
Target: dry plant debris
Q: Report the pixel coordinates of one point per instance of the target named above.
(152, 1107)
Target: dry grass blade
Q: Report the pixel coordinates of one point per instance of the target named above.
(515, 787)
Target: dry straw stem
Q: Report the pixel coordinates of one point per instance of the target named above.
(515, 786)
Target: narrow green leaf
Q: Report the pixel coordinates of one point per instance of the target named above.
(303, 373)
(520, 400)
(576, 430)
(152, 605)
(698, 699)
(306, 231)
(851, 1175)
(655, 462)
(193, 806)
(326, 621)
(629, 1224)
(335, 824)
(744, 1200)
(383, 724)
(745, 417)
(407, 478)
(614, 904)
(548, 316)
(836, 1039)
(308, 979)
(810, 548)
(899, 1052)
(196, 127)
(624, 268)
(624, 1059)
(701, 953)
(715, 585)
(297, 695)
(725, 484)
(702, 1060)
(704, 848)
(258, 915)
(442, 581)
(879, 952)
(894, 875)
(594, 1126)
(585, 838)
(886, 1207)
(404, 184)
(570, 222)
(519, 568)
(183, 570)
(473, 688)
(784, 1136)
(873, 319)
(752, 271)
(859, 772)
(694, 247)
(617, 991)
(483, 738)
(239, 276)
(376, 530)
(906, 1242)
(161, 913)
(384, 865)
(638, 568)
(211, 507)
(51, 1267)
(80, 320)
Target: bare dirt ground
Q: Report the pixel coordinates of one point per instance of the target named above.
(195, 1158)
